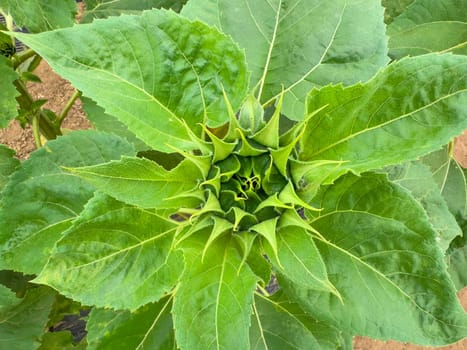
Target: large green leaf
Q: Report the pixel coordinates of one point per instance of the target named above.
(22, 321)
(418, 179)
(8, 164)
(278, 324)
(41, 15)
(152, 72)
(106, 123)
(8, 103)
(451, 181)
(213, 302)
(106, 8)
(144, 183)
(288, 44)
(41, 199)
(381, 255)
(124, 252)
(411, 108)
(429, 26)
(150, 327)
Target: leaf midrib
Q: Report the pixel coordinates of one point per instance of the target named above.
(314, 67)
(279, 306)
(125, 250)
(169, 179)
(323, 282)
(216, 316)
(159, 315)
(271, 47)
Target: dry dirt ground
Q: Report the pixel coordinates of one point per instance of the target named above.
(58, 91)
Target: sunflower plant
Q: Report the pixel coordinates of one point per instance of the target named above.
(263, 178)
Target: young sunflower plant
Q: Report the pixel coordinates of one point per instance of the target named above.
(266, 185)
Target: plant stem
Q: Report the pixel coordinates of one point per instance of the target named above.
(20, 59)
(8, 22)
(26, 101)
(34, 63)
(263, 291)
(67, 108)
(451, 149)
(35, 130)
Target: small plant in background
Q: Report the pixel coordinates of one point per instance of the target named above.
(247, 144)
(17, 66)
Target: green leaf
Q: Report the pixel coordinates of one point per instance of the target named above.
(41, 199)
(8, 103)
(8, 164)
(212, 304)
(429, 26)
(142, 182)
(149, 327)
(41, 15)
(418, 179)
(60, 341)
(278, 324)
(22, 321)
(457, 261)
(106, 123)
(268, 230)
(16, 281)
(451, 180)
(107, 8)
(269, 134)
(62, 307)
(301, 260)
(124, 252)
(7, 297)
(454, 190)
(411, 108)
(288, 45)
(387, 266)
(260, 266)
(222, 149)
(180, 81)
(394, 8)
(309, 176)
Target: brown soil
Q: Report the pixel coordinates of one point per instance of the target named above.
(460, 149)
(58, 91)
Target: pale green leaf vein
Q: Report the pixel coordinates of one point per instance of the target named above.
(260, 326)
(271, 47)
(310, 273)
(352, 135)
(316, 66)
(159, 315)
(247, 4)
(124, 250)
(388, 280)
